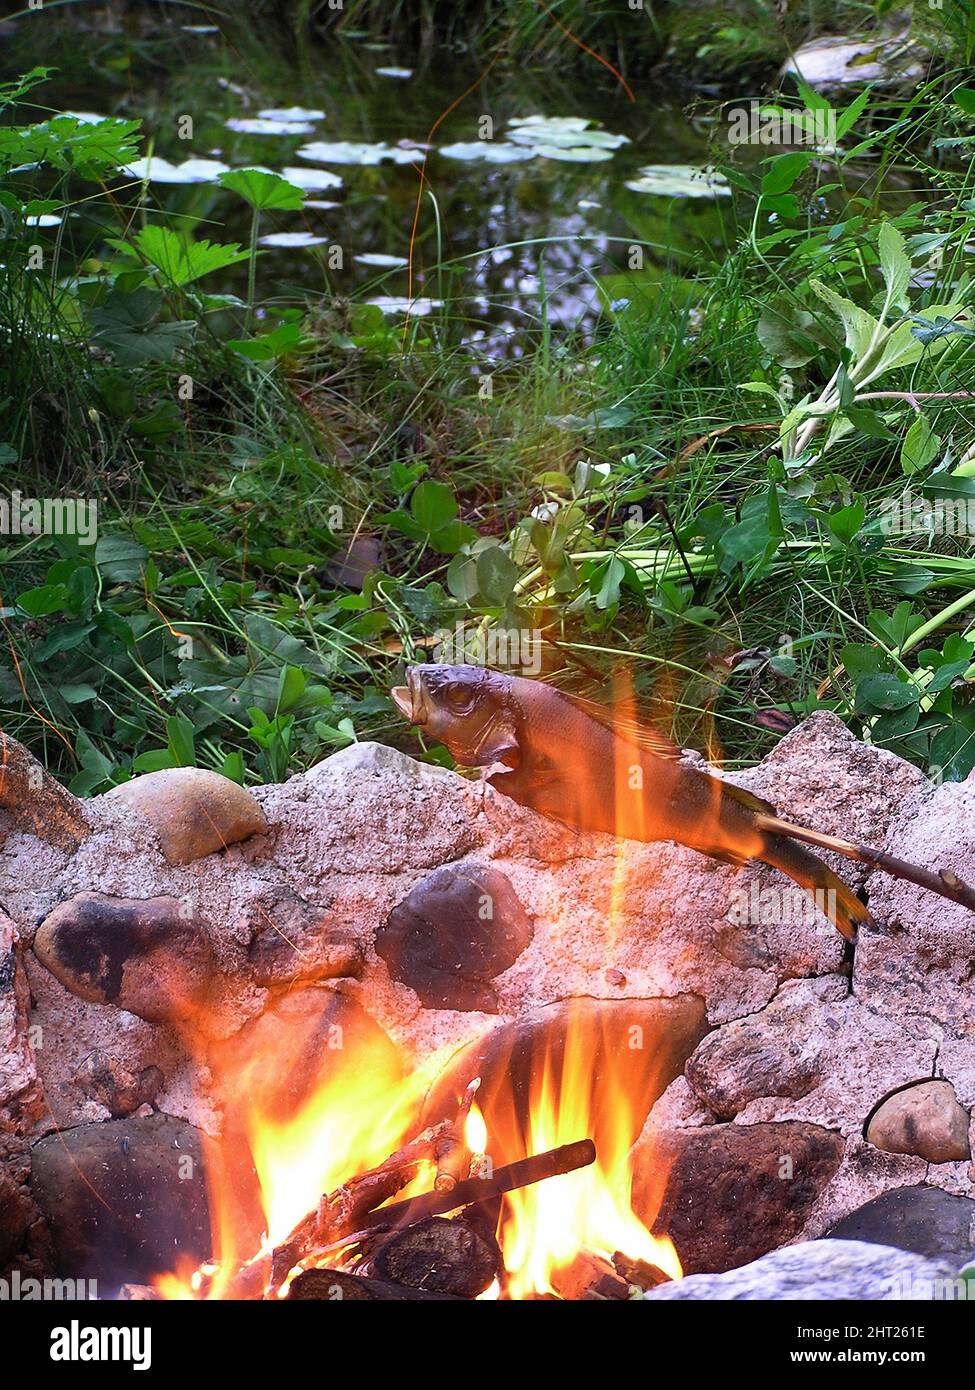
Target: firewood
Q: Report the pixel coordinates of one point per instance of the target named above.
(521, 1173)
(639, 1272)
(446, 1256)
(451, 1152)
(589, 1276)
(336, 1286)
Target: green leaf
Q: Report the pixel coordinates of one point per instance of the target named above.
(497, 575)
(784, 170)
(181, 737)
(126, 325)
(845, 522)
(965, 98)
(921, 446)
(606, 582)
(153, 760)
(885, 693)
(433, 506)
(180, 262)
(291, 687)
(867, 421)
(263, 190)
(45, 599)
(858, 326)
(120, 559)
(895, 265)
(77, 694)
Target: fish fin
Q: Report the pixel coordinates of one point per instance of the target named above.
(832, 896)
(612, 717)
(746, 798)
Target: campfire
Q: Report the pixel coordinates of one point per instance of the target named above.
(385, 1186)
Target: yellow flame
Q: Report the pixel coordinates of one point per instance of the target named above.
(475, 1131)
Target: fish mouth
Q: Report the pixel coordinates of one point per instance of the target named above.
(409, 699)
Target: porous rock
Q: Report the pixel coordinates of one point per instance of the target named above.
(194, 811)
(148, 955)
(34, 802)
(822, 1270)
(289, 939)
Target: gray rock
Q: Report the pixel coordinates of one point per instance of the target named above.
(105, 1079)
(146, 955)
(123, 1199)
(838, 61)
(20, 1098)
(924, 1119)
(194, 812)
(923, 1220)
(827, 1270)
(289, 939)
(919, 967)
(457, 930)
(33, 802)
(814, 1053)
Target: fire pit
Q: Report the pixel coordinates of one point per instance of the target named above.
(380, 1033)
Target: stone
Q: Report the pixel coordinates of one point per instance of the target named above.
(920, 966)
(289, 939)
(924, 1119)
(142, 954)
(825, 1270)
(924, 1220)
(17, 1211)
(611, 1046)
(104, 1078)
(726, 1194)
(123, 1199)
(457, 930)
(194, 812)
(20, 1093)
(814, 1053)
(306, 1036)
(34, 803)
(370, 809)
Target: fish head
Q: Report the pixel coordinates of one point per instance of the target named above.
(468, 708)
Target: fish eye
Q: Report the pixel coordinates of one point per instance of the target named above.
(459, 697)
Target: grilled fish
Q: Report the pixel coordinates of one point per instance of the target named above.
(568, 759)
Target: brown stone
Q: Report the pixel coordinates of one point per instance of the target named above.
(193, 811)
(924, 1119)
(146, 955)
(123, 1199)
(289, 939)
(17, 1211)
(105, 1079)
(20, 1095)
(733, 1192)
(638, 1045)
(457, 930)
(35, 802)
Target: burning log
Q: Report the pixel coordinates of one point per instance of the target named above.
(451, 1151)
(638, 1272)
(446, 1256)
(336, 1286)
(589, 1276)
(522, 1173)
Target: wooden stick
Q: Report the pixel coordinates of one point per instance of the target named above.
(522, 1173)
(944, 882)
(451, 1151)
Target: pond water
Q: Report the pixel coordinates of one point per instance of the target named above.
(527, 227)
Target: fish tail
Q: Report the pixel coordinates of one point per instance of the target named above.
(832, 896)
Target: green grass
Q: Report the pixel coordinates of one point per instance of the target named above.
(738, 589)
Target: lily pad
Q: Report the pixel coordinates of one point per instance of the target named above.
(359, 152)
(394, 72)
(679, 181)
(159, 170)
(265, 125)
(292, 239)
(492, 151)
(291, 113)
(562, 132)
(398, 304)
(377, 259)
